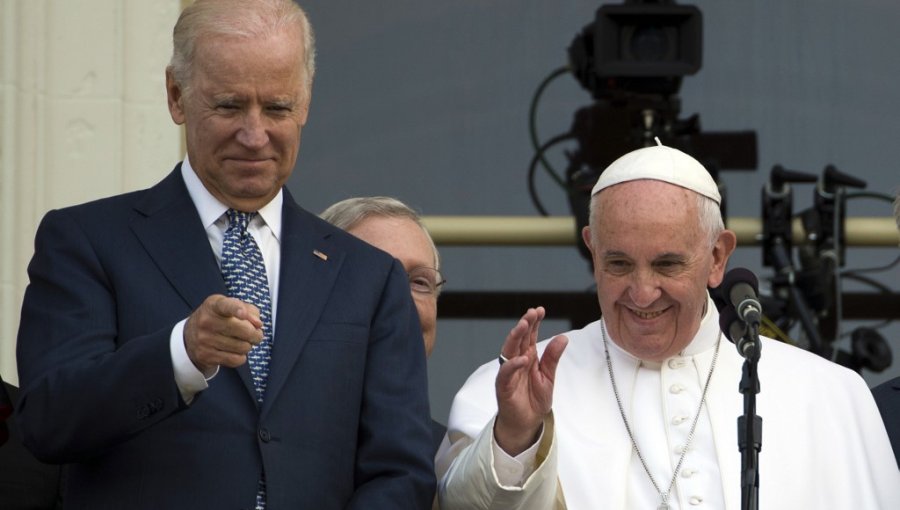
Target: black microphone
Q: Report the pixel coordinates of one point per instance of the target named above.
(740, 287)
(731, 325)
(741, 318)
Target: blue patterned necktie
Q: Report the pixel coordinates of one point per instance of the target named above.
(245, 279)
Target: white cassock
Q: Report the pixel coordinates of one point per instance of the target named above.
(823, 442)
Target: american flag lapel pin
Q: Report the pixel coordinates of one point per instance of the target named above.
(319, 254)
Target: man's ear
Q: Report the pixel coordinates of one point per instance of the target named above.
(587, 238)
(175, 96)
(722, 250)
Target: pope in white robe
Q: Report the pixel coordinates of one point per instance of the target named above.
(639, 410)
(824, 444)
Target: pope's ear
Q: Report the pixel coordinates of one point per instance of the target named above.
(586, 238)
(721, 252)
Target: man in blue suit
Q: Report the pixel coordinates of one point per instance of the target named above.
(133, 346)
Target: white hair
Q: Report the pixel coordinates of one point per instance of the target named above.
(346, 214)
(709, 216)
(239, 18)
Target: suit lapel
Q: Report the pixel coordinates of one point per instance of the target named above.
(305, 282)
(169, 228)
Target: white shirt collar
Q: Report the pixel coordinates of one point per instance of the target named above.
(210, 209)
(707, 333)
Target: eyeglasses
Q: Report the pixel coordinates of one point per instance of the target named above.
(425, 280)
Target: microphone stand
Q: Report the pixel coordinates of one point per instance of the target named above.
(750, 425)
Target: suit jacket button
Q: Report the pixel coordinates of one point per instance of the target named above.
(264, 435)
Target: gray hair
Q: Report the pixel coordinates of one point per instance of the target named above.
(709, 216)
(346, 214)
(238, 18)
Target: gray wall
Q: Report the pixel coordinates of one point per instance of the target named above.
(427, 101)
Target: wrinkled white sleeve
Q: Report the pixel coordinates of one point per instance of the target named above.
(470, 477)
(471, 481)
(515, 471)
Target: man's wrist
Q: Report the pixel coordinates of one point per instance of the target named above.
(515, 440)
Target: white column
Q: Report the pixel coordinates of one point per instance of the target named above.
(83, 115)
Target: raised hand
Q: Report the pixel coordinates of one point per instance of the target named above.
(525, 384)
(221, 331)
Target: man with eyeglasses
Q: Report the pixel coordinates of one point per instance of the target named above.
(392, 226)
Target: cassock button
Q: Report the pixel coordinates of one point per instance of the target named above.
(676, 363)
(680, 449)
(687, 473)
(676, 389)
(678, 420)
(696, 500)
(264, 435)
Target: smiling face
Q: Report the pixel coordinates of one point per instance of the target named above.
(406, 242)
(652, 264)
(243, 113)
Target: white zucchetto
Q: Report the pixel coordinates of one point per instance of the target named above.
(660, 163)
